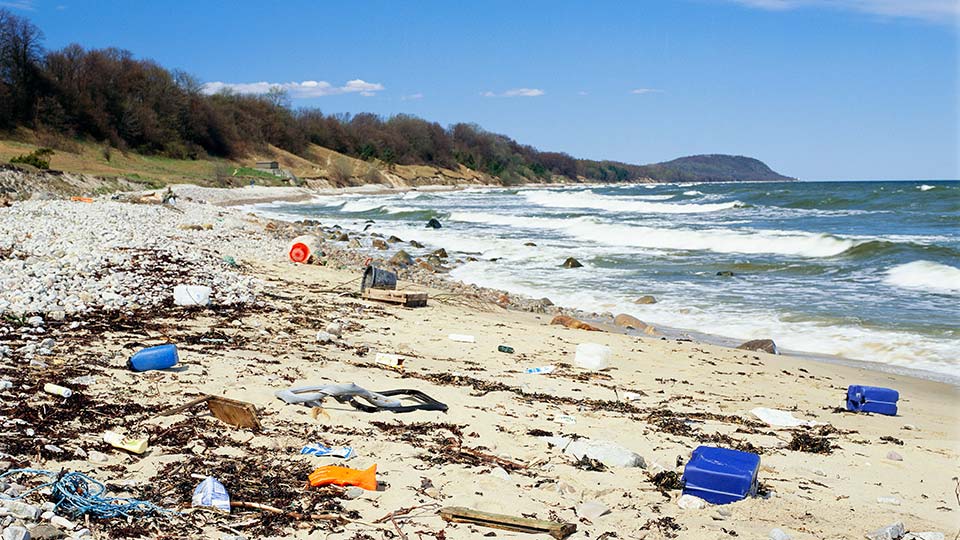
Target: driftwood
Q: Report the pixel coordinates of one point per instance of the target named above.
(508, 523)
(230, 411)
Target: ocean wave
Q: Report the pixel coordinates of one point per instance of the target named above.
(925, 275)
(925, 187)
(716, 240)
(692, 192)
(588, 199)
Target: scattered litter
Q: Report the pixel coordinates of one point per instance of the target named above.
(325, 337)
(345, 476)
(378, 278)
(80, 495)
(462, 338)
(778, 418)
(83, 380)
(501, 473)
(345, 452)
(347, 393)
(925, 536)
(150, 358)
(689, 502)
(544, 370)
(592, 356)
(890, 532)
(505, 349)
(191, 295)
(873, 399)
(391, 360)
(591, 510)
(509, 523)
(721, 475)
(565, 419)
(116, 440)
(303, 249)
(609, 453)
(229, 411)
(889, 500)
(211, 492)
(777, 534)
(57, 390)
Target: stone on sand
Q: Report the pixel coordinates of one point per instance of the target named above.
(763, 345)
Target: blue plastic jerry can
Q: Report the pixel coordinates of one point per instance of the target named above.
(721, 475)
(159, 357)
(872, 399)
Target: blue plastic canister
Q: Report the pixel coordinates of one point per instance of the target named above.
(872, 399)
(159, 357)
(721, 475)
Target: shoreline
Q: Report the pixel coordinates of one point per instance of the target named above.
(697, 335)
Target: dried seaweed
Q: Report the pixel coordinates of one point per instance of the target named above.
(665, 525)
(805, 442)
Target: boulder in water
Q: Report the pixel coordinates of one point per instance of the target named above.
(394, 239)
(379, 244)
(434, 223)
(725, 273)
(442, 253)
(414, 243)
(529, 244)
(646, 299)
(571, 263)
(629, 321)
(764, 345)
(401, 258)
(354, 243)
(344, 237)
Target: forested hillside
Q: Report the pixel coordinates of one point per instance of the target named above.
(111, 97)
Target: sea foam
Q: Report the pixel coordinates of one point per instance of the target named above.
(588, 199)
(925, 275)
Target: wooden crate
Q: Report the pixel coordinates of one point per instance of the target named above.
(403, 298)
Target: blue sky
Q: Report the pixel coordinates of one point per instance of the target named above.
(819, 89)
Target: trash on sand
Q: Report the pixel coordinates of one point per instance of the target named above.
(211, 492)
(460, 514)
(632, 396)
(378, 278)
(462, 338)
(591, 510)
(325, 337)
(81, 199)
(609, 453)
(778, 534)
(690, 502)
(778, 418)
(345, 452)
(721, 475)
(303, 249)
(505, 349)
(191, 295)
(542, 369)
(890, 532)
(565, 419)
(116, 440)
(313, 396)
(873, 399)
(403, 298)
(345, 476)
(5, 385)
(570, 322)
(229, 411)
(80, 495)
(57, 390)
(592, 356)
(391, 360)
(158, 357)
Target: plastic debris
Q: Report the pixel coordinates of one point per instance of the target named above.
(721, 475)
(592, 356)
(777, 534)
(689, 502)
(116, 440)
(210, 492)
(462, 338)
(591, 510)
(894, 531)
(345, 452)
(345, 476)
(505, 349)
(390, 360)
(191, 295)
(57, 390)
(157, 357)
(778, 418)
(543, 370)
(609, 453)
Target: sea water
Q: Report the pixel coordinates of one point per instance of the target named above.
(859, 270)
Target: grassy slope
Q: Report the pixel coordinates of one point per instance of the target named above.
(154, 171)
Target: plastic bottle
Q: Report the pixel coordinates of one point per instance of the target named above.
(116, 440)
(57, 390)
(592, 356)
(158, 357)
(540, 370)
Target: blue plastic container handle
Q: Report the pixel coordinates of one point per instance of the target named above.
(159, 357)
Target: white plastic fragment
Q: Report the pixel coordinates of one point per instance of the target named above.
(689, 502)
(591, 510)
(462, 338)
(777, 534)
(894, 531)
(778, 418)
(592, 356)
(191, 295)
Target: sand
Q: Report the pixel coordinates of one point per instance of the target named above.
(250, 353)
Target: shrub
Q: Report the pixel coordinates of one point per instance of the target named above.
(39, 158)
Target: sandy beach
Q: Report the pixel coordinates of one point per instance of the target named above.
(490, 451)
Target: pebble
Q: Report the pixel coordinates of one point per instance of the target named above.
(689, 502)
(63, 523)
(94, 456)
(777, 534)
(893, 456)
(925, 536)
(19, 509)
(45, 532)
(501, 473)
(890, 532)
(15, 532)
(335, 329)
(325, 337)
(353, 493)
(82, 533)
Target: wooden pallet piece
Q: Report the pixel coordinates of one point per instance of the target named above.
(403, 298)
(230, 411)
(507, 523)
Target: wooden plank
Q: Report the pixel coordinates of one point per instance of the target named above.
(236, 413)
(404, 298)
(509, 523)
(181, 408)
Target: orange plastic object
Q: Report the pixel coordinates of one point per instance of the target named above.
(81, 199)
(345, 476)
(299, 252)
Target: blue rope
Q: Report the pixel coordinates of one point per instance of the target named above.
(76, 494)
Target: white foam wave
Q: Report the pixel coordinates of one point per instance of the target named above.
(925, 187)
(412, 195)
(717, 240)
(361, 205)
(693, 192)
(925, 275)
(588, 199)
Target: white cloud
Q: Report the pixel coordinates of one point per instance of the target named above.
(516, 92)
(304, 89)
(930, 10)
(641, 91)
(583, 93)
(26, 5)
(412, 97)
